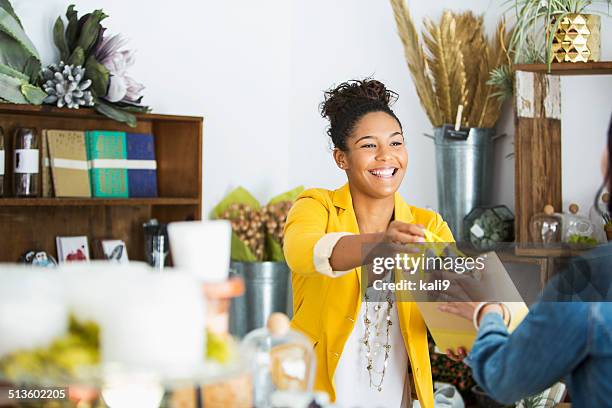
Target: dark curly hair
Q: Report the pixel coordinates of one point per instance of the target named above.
(345, 104)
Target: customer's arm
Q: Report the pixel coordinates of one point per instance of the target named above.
(550, 342)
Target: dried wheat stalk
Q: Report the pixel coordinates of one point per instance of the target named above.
(417, 64)
(455, 65)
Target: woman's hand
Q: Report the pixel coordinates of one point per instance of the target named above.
(403, 233)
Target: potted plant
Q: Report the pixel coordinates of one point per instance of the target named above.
(556, 30)
(451, 67)
(257, 256)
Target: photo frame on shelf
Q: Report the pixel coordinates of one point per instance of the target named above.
(114, 250)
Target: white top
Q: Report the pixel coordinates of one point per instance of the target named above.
(351, 377)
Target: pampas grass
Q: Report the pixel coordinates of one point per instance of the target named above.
(453, 64)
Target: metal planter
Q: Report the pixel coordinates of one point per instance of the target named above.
(267, 290)
(464, 172)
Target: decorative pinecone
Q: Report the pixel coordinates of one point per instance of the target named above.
(65, 86)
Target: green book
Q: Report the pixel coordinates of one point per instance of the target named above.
(107, 157)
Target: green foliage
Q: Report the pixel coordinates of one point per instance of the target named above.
(99, 76)
(77, 58)
(19, 61)
(90, 31)
(10, 89)
(581, 239)
(80, 346)
(274, 250)
(59, 39)
(536, 401)
(8, 7)
(12, 27)
(72, 28)
(119, 115)
(502, 79)
(537, 19)
(33, 94)
(238, 195)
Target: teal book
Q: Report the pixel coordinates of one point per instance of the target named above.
(107, 158)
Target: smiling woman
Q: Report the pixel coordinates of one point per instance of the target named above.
(368, 353)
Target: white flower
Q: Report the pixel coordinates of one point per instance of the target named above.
(122, 88)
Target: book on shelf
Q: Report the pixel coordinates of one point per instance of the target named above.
(72, 249)
(68, 158)
(141, 165)
(46, 182)
(107, 155)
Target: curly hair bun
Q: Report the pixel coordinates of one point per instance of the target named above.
(345, 104)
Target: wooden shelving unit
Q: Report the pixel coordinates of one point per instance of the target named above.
(46, 202)
(587, 68)
(33, 223)
(538, 149)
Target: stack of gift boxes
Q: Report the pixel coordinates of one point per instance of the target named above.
(98, 163)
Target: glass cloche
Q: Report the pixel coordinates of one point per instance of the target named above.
(545, 227)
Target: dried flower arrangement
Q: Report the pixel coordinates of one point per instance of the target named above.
(83, 44)
(92, 70)
(454, 66)
(257, 231)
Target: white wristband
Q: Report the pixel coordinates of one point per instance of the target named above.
(481, 305)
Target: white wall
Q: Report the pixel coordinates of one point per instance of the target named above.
(257, 71)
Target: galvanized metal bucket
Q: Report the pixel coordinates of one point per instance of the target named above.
(267, 290)
(464, 168)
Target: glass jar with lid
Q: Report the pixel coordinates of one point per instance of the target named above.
(546, 227)
(283, 360)
(25, 163)
(577, 229)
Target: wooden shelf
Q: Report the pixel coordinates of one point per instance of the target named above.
(569, 68)
(86, 113)
(561, 251)
(48, 202)
(34, 223)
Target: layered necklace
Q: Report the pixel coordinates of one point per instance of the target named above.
(378, 325)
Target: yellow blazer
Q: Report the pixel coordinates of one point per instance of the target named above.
(325, 308)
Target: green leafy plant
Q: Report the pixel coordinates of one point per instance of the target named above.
(581, 239)
(537, 20)
(19, 61)
(82, 42)
(536, 401)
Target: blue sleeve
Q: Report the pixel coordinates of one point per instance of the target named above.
(546, 346)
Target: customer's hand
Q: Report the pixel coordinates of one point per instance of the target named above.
(467, 310)
(403, 233)
(461, 309)
(459, 355)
